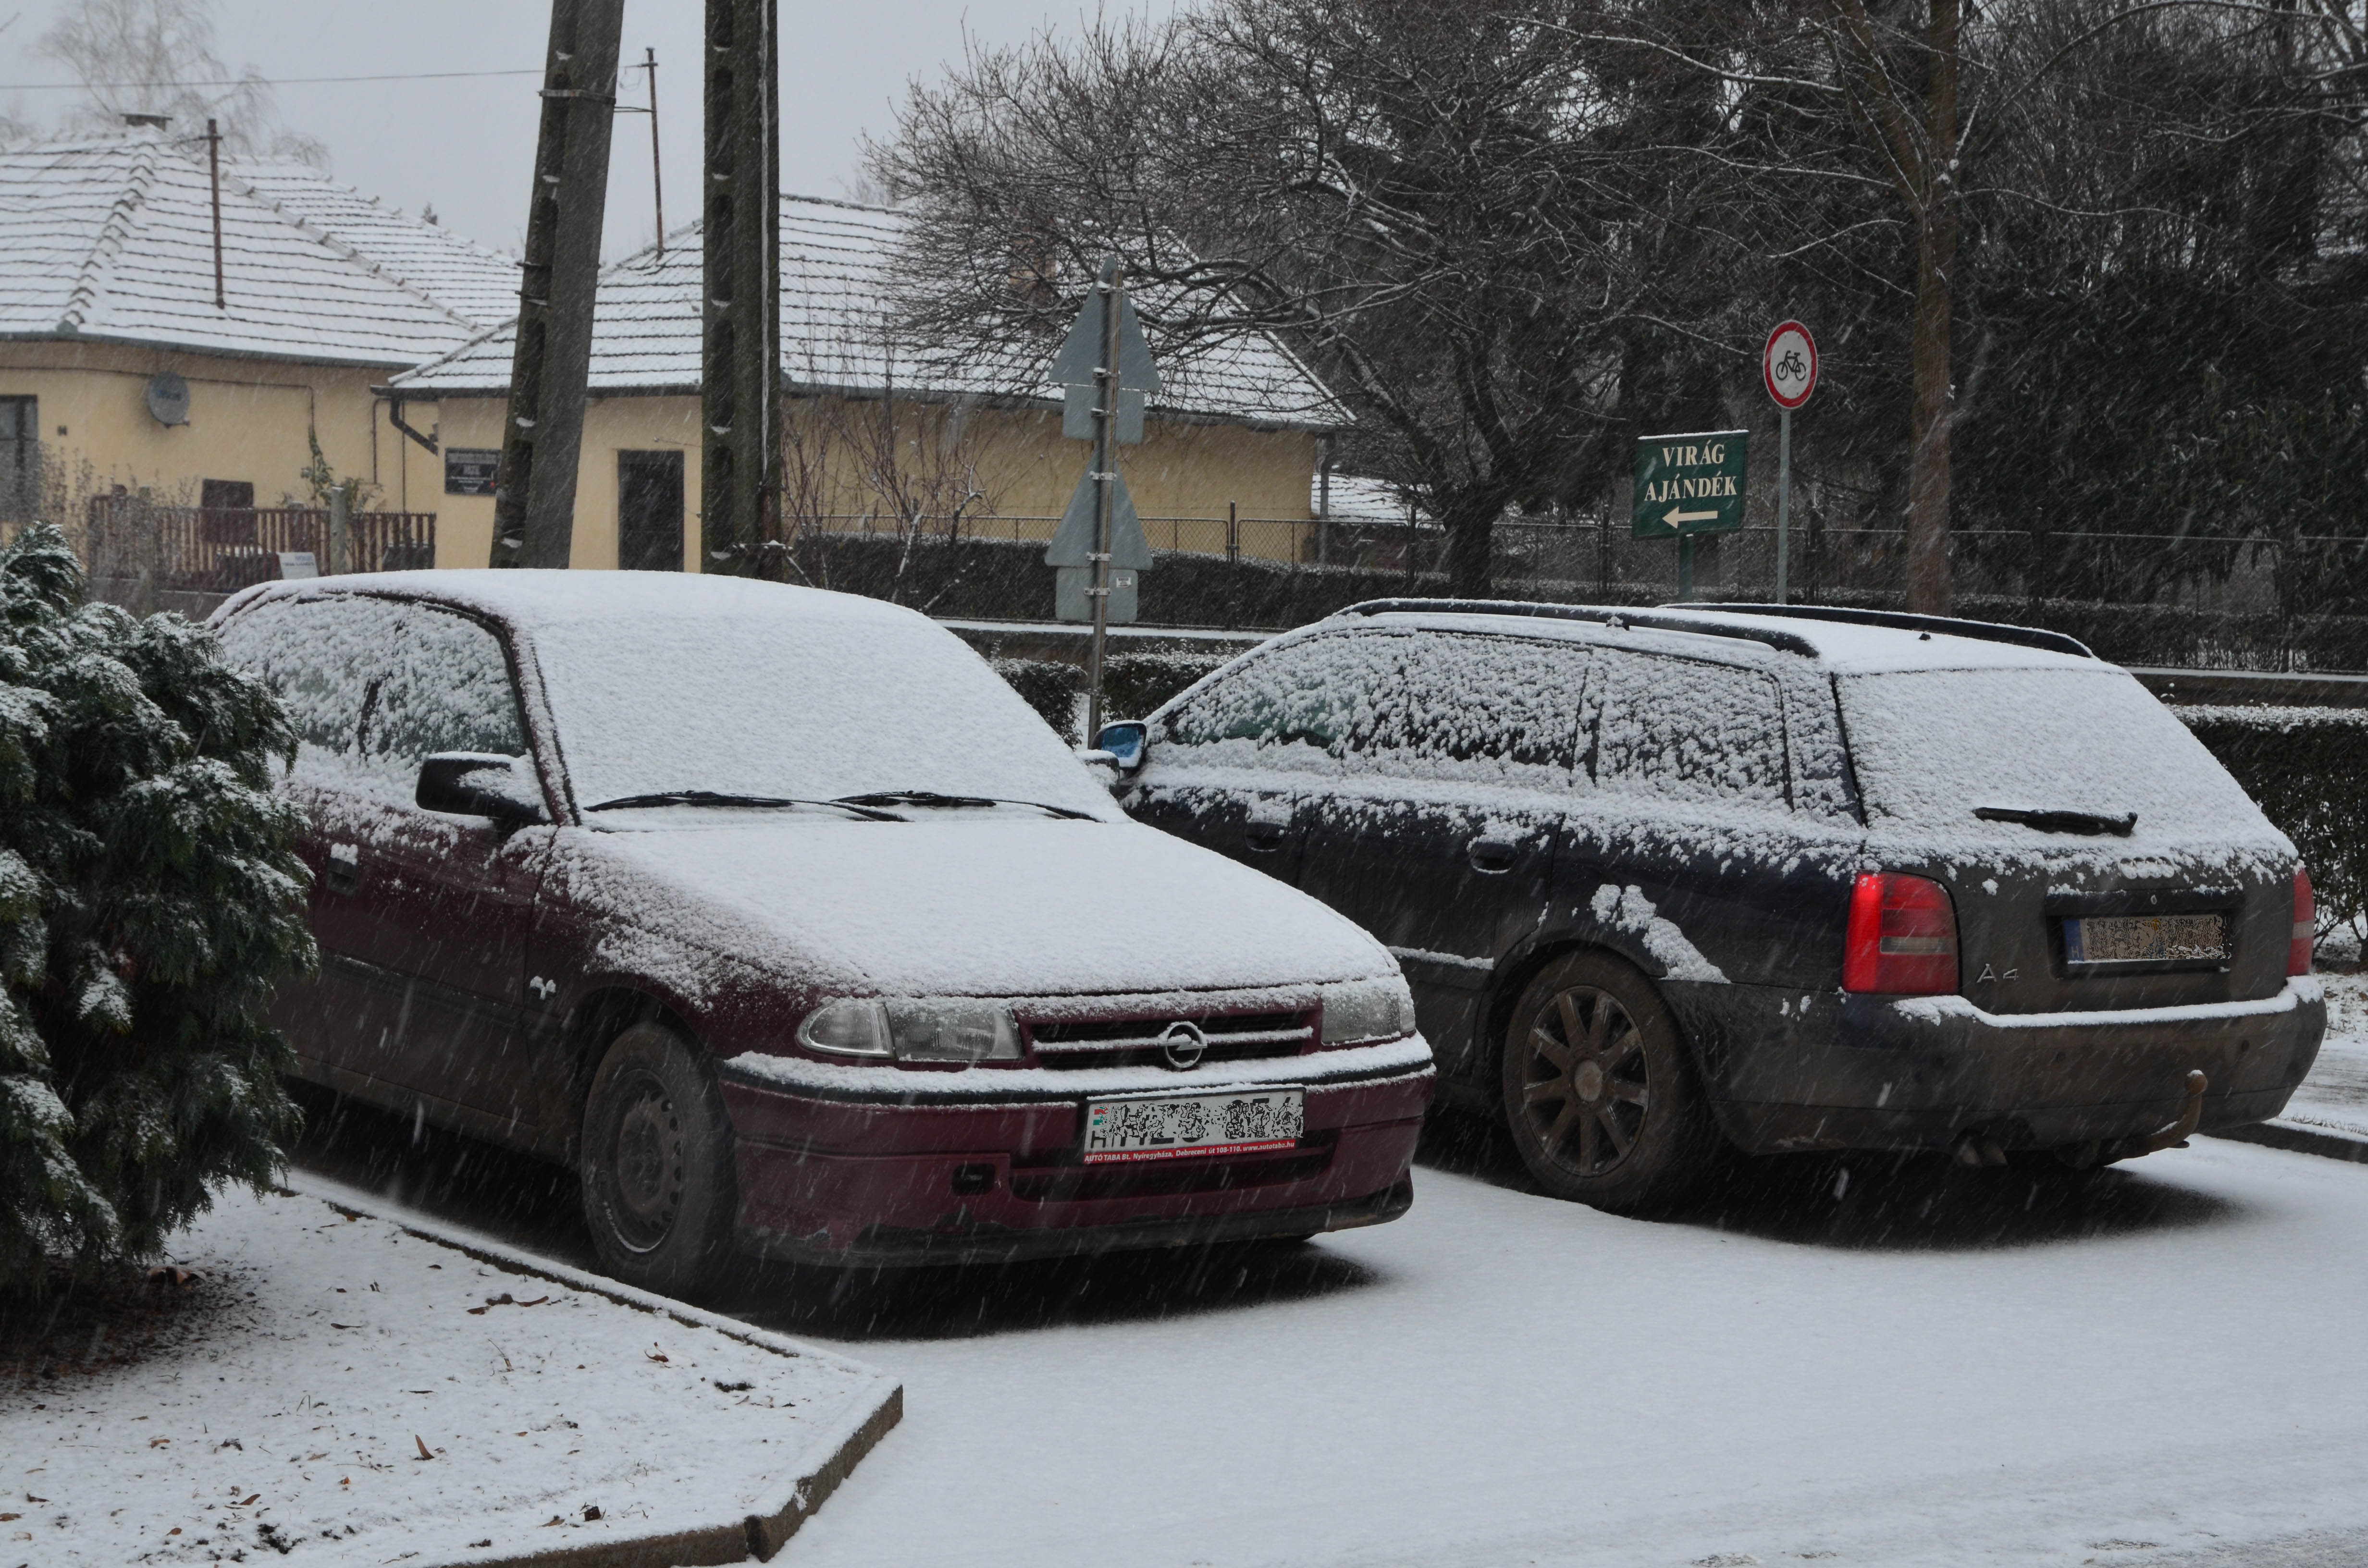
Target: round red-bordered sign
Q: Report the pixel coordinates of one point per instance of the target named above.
(1789, 364)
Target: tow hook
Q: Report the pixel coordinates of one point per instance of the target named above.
(2174, 1136)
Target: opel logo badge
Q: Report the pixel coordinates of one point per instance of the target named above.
(1183, 1044)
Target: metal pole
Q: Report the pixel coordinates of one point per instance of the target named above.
(341, 529)
(1685, 567)
(1783, 498)
(534, 506)
(1105, 476)
(657, 181)
(213, 167)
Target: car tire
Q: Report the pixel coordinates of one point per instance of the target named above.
(656, 1163)
(1598, 1093)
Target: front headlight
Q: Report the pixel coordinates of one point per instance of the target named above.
(1357, 1010)
(915, 1028)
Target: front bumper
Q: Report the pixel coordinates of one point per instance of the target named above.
(1792, 1071)
(881, 1166)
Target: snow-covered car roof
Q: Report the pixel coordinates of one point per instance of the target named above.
(533, 600)
(1843, 642)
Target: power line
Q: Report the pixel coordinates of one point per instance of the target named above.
(252, 81)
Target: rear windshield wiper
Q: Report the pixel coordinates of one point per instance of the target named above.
(2089, 823)
(711, 797)
(932, 798)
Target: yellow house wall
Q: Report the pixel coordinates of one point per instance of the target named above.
(1023, 464)
(248, 420)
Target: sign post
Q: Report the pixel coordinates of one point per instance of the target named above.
(1789, 367)
(1689, 484)
(1099, 551)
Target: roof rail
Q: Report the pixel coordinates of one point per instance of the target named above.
(1898, 620)
(1652, 620)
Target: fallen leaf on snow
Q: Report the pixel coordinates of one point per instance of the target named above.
(591, 1512)
(423, 1447)
(655, 1355)
(158, 1442)
(5, 1517)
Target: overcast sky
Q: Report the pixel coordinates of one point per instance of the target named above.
(466, 146)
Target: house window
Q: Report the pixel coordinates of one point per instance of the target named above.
(20, 455)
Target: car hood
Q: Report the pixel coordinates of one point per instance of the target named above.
(952, 904)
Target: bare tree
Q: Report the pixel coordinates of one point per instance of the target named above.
(156, 57)
(1454, 209)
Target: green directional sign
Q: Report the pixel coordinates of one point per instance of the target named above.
(1690, 484)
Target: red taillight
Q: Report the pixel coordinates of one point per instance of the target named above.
(2305, 926)
(1903, 937)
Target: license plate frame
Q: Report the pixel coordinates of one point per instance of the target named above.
(1147, 1128)
(2128, 944)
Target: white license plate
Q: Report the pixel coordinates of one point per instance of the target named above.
(2146, 938)
(1184, 1127)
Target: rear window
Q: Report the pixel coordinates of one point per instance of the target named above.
(1931, 746)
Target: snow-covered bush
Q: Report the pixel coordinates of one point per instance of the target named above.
(150, 896)
(2304, 767)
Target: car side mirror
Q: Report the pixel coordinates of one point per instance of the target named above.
(481, 784)
(1125, 742)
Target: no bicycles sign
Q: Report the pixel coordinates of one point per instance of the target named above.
(1789, 365)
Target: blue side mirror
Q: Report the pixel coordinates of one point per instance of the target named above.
(1125, 743)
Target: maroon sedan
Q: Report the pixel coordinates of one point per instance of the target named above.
(781, 916)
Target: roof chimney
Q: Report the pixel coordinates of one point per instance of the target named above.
(161, 121)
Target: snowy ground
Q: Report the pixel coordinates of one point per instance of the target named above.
(1937, 1367)
(1921, 1371)
(2335, 1096)
(364, 1395)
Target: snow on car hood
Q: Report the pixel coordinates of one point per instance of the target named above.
(952, 903)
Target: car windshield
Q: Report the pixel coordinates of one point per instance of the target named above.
(819, 705)
(1931, 747)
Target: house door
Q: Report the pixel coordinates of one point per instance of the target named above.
(649, 511)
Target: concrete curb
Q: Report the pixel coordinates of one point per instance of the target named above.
(859, 1424)
(2298, 1139)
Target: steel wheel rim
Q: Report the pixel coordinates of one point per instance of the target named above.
(1586, 1081)
(641, 1179)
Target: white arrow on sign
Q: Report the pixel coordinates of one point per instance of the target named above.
(1675, 518)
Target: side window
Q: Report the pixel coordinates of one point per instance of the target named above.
(1305, 705)
(1485, 710)
(1682, 729)
(321, 656)
(445, 686)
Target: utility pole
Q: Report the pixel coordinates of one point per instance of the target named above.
(657, 178)
(213, 167)
(740, 361)
(534, 509)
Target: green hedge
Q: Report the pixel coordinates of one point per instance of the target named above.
(2306, 766)
(1133, 683)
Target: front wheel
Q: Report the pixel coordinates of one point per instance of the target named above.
(656, 1163)
(1598, 1093)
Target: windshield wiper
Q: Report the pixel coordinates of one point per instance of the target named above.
(932, 798)
(2089, 823)
(711, 797)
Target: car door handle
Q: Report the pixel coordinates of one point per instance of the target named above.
(1492, 855)
(1265, 837)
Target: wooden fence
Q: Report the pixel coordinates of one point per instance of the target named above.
(223, 549)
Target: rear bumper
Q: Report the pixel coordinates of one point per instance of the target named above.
(1789, 1070)
(831, 1180)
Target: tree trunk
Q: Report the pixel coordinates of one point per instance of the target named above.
(1933, 399)
(1470, 540)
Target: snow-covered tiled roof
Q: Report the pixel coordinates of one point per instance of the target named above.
(837, 335)
(1359, 498)
(112, 241)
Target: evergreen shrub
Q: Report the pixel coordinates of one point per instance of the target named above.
(150, 897)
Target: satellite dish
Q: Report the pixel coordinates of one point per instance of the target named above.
(168, 398)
